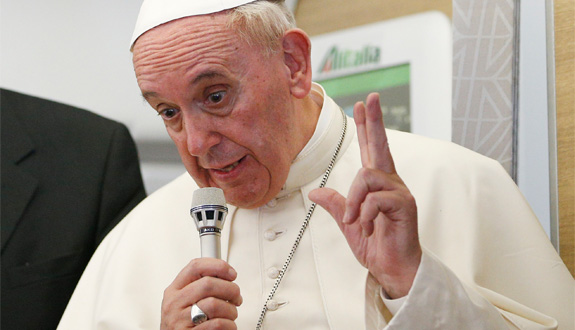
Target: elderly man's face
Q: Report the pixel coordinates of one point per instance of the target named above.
(227, 107)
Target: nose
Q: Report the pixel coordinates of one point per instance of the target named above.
(200, 134)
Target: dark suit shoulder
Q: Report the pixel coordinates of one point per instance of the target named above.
(51, 117)
(68, 176)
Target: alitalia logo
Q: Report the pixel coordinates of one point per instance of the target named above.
(339, 59)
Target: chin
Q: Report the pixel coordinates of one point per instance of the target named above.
(243, 202)
(246, 199)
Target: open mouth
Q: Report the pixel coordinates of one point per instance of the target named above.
(230, 167)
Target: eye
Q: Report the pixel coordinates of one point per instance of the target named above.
(216, 97)
(168, 114)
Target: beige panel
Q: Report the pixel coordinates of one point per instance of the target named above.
(483, 35)
(565, 103)
(322, 16)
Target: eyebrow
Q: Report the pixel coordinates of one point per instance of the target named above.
(200, 77)
(206, 75)
(147, 95)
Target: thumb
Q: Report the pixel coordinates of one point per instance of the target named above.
(332, 201)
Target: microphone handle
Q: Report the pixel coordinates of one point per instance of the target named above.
(210, 245)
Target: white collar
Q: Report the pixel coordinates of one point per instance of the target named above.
(315, 156)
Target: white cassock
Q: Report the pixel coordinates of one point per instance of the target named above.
(487, 263)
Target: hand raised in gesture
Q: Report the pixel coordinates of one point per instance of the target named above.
(379, 215)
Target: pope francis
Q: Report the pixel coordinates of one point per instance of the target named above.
(408, 232)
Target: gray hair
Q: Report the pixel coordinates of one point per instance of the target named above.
(262, 23)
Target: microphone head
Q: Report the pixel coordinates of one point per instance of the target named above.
(209, 210)
(209, 196)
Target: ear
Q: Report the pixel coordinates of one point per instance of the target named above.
(297, 58)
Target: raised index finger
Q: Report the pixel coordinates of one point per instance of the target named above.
(373, 142)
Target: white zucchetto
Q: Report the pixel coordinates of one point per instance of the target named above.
(157, 12)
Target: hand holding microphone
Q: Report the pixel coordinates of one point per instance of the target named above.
(204, 290)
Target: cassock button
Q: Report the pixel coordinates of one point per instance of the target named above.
(270, 235)
(273, 272)
(272, 203)
(272, 305)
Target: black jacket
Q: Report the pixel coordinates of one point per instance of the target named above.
(68, 177)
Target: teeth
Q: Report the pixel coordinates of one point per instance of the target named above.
(230, 167)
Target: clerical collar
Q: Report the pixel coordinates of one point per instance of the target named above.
(313, 159)
(317, 95)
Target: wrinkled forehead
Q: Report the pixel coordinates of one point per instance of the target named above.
(184, 42)
(154, 13)
(183, 29)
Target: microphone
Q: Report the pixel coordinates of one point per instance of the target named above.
(209, 211)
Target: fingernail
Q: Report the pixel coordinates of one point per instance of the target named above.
(346, 218)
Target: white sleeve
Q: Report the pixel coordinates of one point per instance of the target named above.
(486, 251)
(438, 300)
